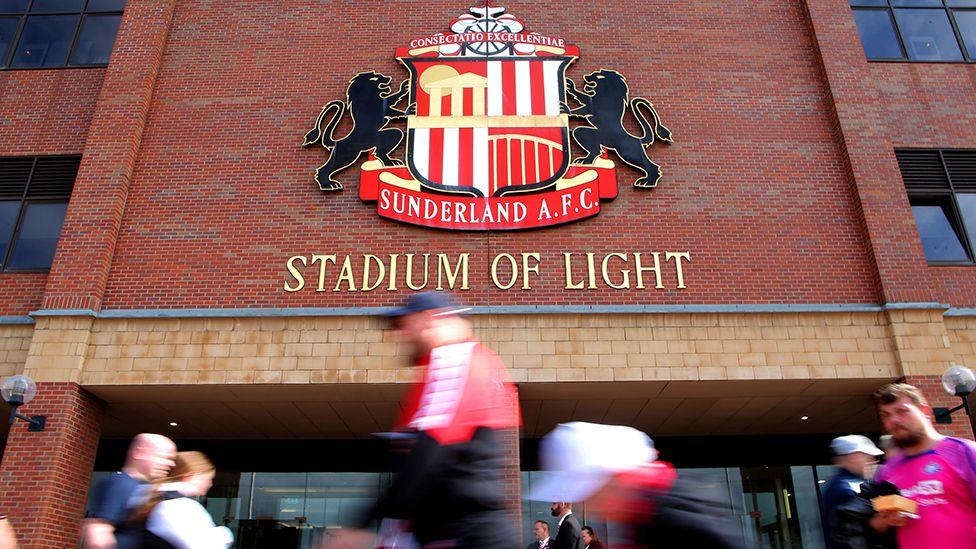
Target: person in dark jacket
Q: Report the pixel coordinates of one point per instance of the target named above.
(569, 534)
(590, 541)
(449, 486)
(615, 470)
(855, 457)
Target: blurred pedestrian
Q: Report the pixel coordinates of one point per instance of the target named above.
(113, 500)
(173, 518)
(855, 457)
(615, 470)
(541, 532)
(569, 534)
(590, 540)
(8, 540)
(450, 484)
(887, 443)
(936, 471)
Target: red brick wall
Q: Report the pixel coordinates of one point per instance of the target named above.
(886, 105)
(756, 185)
(931, 387)
(44, 476)
(21, 293)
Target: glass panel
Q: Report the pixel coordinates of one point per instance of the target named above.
(45, 41)
(938, 238)
(966, 21)
(8, 28)
(94, 45)
(807, 507)
(869, 2)
(928, 35)
(8, 222)
(967, 207)
(57, 6)
(916, 3)
(962, 3)
(877, 32)
(38, 236)
(13, 6)
(105, 5)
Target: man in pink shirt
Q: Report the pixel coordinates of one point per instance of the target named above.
(936, 471)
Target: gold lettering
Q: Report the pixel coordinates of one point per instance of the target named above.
(322, 259)
(568, 261)
(591, 270)
(369, 258)
(444, 268)
(299, 279)
(640, 269)
(526, 269)
(393, 272)
(410, 283)
(494, 271)
(345, 275)
(678, 256)
(606, 275)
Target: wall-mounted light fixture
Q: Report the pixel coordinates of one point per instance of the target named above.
(17, 391)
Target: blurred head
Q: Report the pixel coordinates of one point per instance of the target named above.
(540, 530)
(150, 456)
(195, 470)
(588, 535)
(904, 414)
(887, 444)
(856, 453)
(560, 508)
(430, 319)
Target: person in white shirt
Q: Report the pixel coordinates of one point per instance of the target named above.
(541, 532)
(174, 519)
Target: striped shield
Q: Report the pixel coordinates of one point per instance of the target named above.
(487, 126)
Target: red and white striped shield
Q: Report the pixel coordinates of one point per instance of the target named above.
(488, 126)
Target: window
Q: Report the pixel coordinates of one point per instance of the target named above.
(34, 195)
(941, 187)
(38, 34)
(917, 30)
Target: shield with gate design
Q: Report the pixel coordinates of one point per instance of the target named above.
(488, 125)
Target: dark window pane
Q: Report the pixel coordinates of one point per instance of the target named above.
(962, 3)
(8, 221)
(106, 5)
(8, 28)
(13, 6)
(967, 206)
(928, 35)
(57, 6)
(869, 2)
(966, 21)
(877, 33)
(939, 239)
(38, 236)
(95, 42)
(916, 3)
(45, 41)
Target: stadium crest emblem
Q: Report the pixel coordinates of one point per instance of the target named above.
(488, 135)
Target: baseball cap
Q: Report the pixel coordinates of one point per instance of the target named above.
(578, 458)
(427, 301)
(850, 444)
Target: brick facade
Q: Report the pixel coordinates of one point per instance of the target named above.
(193, 192)
(46, 475)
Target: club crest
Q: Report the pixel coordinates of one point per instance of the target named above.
(486, 117)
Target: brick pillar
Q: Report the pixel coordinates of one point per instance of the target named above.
(91, 225)
(44, 476)
(512, 478)
(931, 387)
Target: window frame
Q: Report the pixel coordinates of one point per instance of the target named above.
(890, 8)
(956, 218)
(26, 14)
(24, 202)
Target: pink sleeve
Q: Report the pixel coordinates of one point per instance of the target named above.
(961, 453)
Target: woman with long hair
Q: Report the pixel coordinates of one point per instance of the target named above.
(172, 515)
(590, 540)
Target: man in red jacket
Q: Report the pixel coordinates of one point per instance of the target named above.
(449, 487)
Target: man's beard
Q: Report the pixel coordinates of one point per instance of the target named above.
(555, 512)
(908, 440)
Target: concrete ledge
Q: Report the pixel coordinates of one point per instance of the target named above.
(16, 320)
